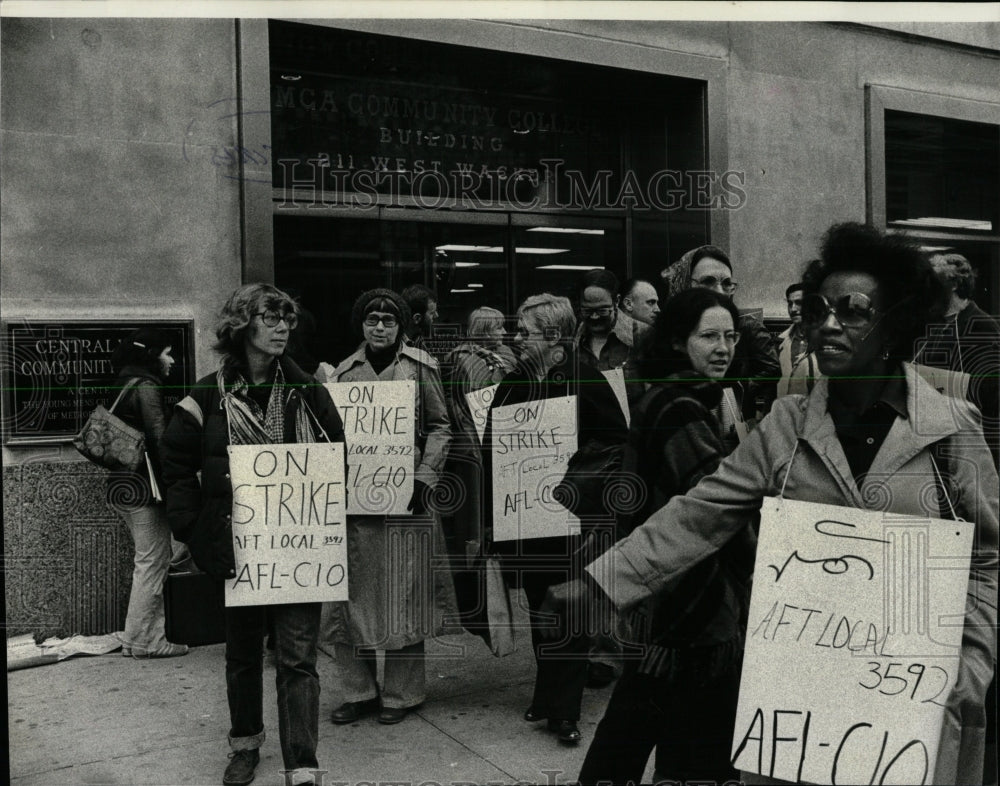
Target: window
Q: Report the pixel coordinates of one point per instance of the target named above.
(934, 174)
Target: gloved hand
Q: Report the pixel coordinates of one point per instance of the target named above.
(421, 496)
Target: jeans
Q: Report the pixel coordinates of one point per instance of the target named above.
(690, 724)
(296, 630)
(145, 620)
(403, 685)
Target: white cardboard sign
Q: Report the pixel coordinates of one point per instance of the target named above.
(289, 535)
(531, 446)
(852, 644)
(380, 431)
(479, 405)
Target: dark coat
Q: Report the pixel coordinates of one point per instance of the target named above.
(141, 407)
(200, 514)
(673, 443)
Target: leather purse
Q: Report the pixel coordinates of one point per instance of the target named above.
(109, 441)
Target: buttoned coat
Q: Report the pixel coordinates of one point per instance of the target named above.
(796, 449)
(400, 585)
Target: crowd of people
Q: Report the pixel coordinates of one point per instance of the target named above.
(714, 414)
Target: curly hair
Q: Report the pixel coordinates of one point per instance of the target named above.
(957, 272)
(679, 318)
(911, 292)
(234, 319)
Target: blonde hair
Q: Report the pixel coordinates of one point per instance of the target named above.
(484, 320)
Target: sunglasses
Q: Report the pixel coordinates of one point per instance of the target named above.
(272, 318)
(853, 310)
(601, 311)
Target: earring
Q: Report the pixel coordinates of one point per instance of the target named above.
(885, 353)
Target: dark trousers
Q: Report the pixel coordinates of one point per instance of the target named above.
(690, 724)
(295, 631)
(561, 664)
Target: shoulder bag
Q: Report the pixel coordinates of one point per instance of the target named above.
(109, 441)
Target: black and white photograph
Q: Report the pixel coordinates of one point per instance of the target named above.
(425, 393)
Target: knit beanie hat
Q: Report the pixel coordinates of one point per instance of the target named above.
(380, 299)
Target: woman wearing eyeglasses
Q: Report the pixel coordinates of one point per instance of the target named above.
(397, 600)
(257, 397)
(681, 695)
(871, 435)
(755, 368)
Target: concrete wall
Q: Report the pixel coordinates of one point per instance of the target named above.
(110, 207)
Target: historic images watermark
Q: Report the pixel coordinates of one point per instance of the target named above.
(387, 182)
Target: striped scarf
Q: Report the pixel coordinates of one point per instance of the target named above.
(250, 425)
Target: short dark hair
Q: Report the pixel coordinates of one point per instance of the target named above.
(142, 349)
(796, 287)
(604, 279)
(904, 274)
(710, 251)
(418, 298)
(676, 322)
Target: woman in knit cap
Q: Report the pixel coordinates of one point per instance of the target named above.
(755, 368)
(391, 578)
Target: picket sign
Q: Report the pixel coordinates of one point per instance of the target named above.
(531, 446)
(380, 432)
(288, 520)
(479, 406)
(853, 643)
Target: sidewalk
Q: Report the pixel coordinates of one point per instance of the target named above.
(111, 720)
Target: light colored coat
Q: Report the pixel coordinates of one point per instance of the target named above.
(400, 584)
(795, 377)
(680, 534)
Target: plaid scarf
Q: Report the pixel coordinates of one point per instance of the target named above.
(250, 425)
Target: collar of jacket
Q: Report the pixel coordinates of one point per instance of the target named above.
(930, 420)
(294, 376)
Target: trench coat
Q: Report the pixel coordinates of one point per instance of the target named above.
(399, 583)
(466, 369)
(796, 447)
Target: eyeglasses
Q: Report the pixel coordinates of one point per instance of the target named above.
(853, 310)
(601, 311)
(730, 337)
(727, 285)
(372, 320)
(272, 318)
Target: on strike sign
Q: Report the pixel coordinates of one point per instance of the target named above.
(852, 644)
(380, 428)
(288, 524)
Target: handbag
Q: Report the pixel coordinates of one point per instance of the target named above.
(589, 472)
(109, 441)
